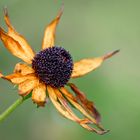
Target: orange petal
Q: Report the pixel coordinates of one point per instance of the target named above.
(49, 34)
(88, 105)
(23, 69)
(16, 36)
(39, 94)
(58, 106)
(26, 86)
(13, 46)
(17, 78)
(73, 101)
(66, 106)
(85, 66)
(1, 75)
(77, 105)
(83, 122)
(62, 106)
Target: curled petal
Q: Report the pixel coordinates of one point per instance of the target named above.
(23, 69)
(78, 106)
(65, 105)
(39, 94)
(16, 36)
(17, 78)
(13, 46)
(74, 102)
(88, 105)
(49, 34)
(62, 106)
(28, 85)
(85, 66)
(59, 107)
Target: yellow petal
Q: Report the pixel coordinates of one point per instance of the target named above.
(16, 36)
(13, 46)
(23, 69)
(49, 34)
(26, 86)
(39, 94)
(85, 66)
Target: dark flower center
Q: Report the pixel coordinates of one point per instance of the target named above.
(53, 66)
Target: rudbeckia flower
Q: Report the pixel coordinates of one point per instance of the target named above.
(46, 74)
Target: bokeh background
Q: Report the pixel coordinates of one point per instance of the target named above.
(88, 28)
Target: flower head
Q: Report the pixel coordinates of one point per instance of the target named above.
(53, 66)
(46, 74)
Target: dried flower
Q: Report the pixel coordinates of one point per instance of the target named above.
(49, 71)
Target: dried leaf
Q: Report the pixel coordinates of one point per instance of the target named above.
(49, 34)
(39, 94)
(85, 66)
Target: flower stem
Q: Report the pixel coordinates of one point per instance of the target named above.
(11, 108)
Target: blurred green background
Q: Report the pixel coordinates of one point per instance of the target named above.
(88, 28)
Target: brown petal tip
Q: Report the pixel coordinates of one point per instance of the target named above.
(103, 132)
(110, 54)
(88, 105)
(5, 11)
(61, 10)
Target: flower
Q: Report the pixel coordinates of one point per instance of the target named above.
(49, 71)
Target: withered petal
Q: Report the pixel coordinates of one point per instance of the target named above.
(1, 75)
(64, 109)
(23, 69)
(39, 94)
(13, 46)
(58, 106)
(85, 66)
(49, 34)
(100, 132)
(88, 105)
(83, 122)
(17, 78)
(62, 106)
(77, 105)
(64, 103)
(28, 85)
(16, 36)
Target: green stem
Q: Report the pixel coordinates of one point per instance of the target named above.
(11, 108)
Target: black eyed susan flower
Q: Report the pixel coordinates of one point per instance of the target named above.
(46, 74)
